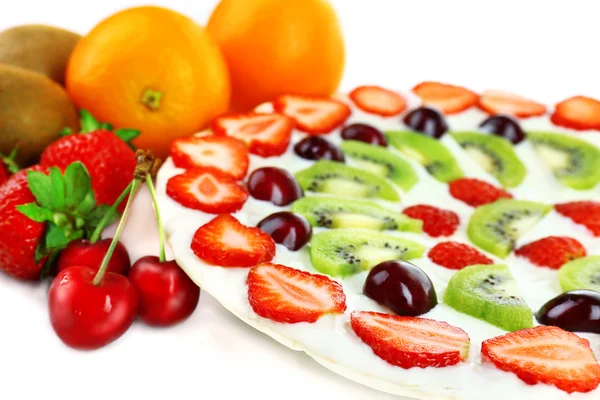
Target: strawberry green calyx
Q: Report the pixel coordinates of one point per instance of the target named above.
(9, 161)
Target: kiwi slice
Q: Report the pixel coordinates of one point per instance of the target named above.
(378, 160)
(430, 153)
(583, 273)
(335, 213)
(496, 227)
(342, 180)
(345, 252)
(495, 155)
(489, 293)
(574, 162)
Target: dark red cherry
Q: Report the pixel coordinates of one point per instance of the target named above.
(401, 286)
(83, 253)
(318, 148)
(505, 126)
(428, 121)
(364, 133)
(275, 185)
(575, 311)
(286, 228)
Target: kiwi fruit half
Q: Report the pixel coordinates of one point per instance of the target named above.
(336, 178)
(495, 227)
(430, 153)
(574, 162)
(345, 252)
(495, 155)
(583, 273)
(335, 213)
(489, 293)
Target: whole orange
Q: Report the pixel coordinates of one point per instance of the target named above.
(151, 69)
(274, 47)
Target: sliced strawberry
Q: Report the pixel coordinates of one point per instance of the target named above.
(284, 294)
(224, 153)
(409, 342)
(586, 213)
(476, 192)
(266, 135)
(501, 102)
(450, 99)
(436, 222)
(313, 115)
(225, 242)
(454, 255)
(207, 189)
(377, 100)
(545, 354)
(552, 251)
(579, 112)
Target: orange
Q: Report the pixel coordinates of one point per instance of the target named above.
(274, 47)
(151, 69)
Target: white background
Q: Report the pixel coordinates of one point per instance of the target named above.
(547, 50)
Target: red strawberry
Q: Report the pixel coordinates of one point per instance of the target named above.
(313, 115)
(409, 342)
(436, 222)
(207, 189)
(450, 99)
(500, 102)
(454, 255)
(552, 251)
(545, 354)
(578, 112)
(288, 295)
(476, 192)
(227, 243)
(227, 154)
(586, 213)
(377, 100)
(266, 135)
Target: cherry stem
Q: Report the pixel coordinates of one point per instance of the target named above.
(161, 232)
(113, 209)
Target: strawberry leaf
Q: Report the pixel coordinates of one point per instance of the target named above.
(65, 132)
(78, 186)
(88, 122)
(35, 212)
(94, 218)
(57, 186)
(127, 135)
(41, 188)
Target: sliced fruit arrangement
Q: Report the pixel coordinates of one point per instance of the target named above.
(586, 213)
(476, 192)
(501, 102)
(436, 222)
(454, 255)
(448, 98)
(313, 115)
(578, 112)
(583, 273)
(377, 100)
(552, 251)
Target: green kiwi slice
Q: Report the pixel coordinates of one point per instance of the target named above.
(574, 162)
(342, 180)
(345, 252)
(495, 155)
(378, 160)
(335, 213)
(583, 273)
(496, 227)
(489, 293)
(430, 153)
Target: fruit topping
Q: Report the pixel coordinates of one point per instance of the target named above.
(226, 154)
(436, 221)
(501, 102)
(586, 213)
(286, 228)
(364, 133)
(454, 255)
(207, 189)
(476, 192)
(335, 213)
(583, 273)
(574, 162)
(401, 286)
(503, 126)
(345, 252)
(575, 311)
(342, 180)
(381, 162)
(317, 148)
(495, 155)
(448, 98)
(497, 226)
(84, 253)
(288, 295)
(489, 293)
(431, 154)
(225, 242)
(377, 100)
(313, 115)
(552, 251)
(578, 113)
(545, 354)
(409, 342)
(426, 120)
(275, 185)
(265, 135)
